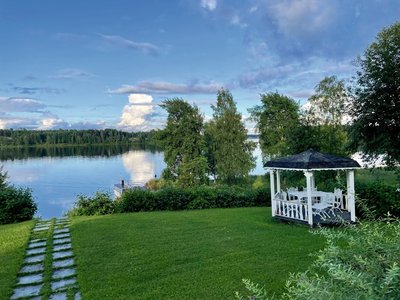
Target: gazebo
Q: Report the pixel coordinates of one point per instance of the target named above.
(312, 206)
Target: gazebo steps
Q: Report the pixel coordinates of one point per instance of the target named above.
(337, 219)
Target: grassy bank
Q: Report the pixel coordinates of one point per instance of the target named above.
(13, 241)
(201, 254)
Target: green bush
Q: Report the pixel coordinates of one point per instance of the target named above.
(358, 262)
(139, 200)
(173, 198)
(377, 198)
(99, 204)
(16, 205)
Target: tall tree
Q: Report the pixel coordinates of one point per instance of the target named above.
(376, 105)
(276, 118)
(325, 115)
(184, 143)
(231, 153)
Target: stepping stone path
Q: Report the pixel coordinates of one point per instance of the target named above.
(48, 270)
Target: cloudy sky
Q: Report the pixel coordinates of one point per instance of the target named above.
(108, 64)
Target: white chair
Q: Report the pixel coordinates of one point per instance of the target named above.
(291, 190)
(338, 198)
(320, 208)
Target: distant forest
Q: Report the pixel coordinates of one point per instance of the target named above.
(11, 137)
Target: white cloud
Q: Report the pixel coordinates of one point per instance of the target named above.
(72, 74)
(135, 113)
(163, 87)
(145, 48)
(210, 5)
(12, 104)
(52, 123)
(295, 17)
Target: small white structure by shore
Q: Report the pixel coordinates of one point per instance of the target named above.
(312, 206)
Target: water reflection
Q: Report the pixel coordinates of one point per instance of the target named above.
(86, 151)
(140, 166)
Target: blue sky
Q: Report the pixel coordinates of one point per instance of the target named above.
(108, 64)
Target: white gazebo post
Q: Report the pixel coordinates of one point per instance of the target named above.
(272, 184)
(350, 195)
(278, 181)
(312, 182)
(309, 176)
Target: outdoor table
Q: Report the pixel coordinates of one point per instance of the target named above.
(302, 196)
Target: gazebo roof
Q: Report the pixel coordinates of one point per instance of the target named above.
(312, 160)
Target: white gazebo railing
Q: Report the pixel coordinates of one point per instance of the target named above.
(290, 209)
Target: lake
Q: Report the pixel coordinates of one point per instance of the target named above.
(57, 175)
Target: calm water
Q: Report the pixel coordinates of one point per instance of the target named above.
(57, 175)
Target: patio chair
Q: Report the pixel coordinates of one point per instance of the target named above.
(292, 189)
(338, 198)
(320, 209)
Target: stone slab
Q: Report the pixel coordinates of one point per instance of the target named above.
(59, 296)
(62, 254)
(61, 236)
(32, 268)
(63, 263)
(62, 284)
(26, 291)
(62, 220)
(41, 228)
(36, 244)
(64, 230)
(30, 279)
(63, 273)
(37, 240)
(47, 224)
(61, 241)
(62, 247)
(40, 250)
(78, 296)
(34, 259)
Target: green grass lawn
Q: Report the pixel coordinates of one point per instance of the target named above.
(13, 241)
(200, 254)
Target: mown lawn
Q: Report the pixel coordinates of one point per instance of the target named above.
(200, 254)
(13, 241)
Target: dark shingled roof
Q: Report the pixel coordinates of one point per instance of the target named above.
(312, 159)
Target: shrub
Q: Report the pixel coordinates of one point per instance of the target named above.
(173, 198)
(358, 262)
(99, 204)
(377, 198)
(16, 205)
(134, 200)
(155, 184)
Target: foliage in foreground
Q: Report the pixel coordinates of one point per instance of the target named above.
(358, 262)
(16, 204)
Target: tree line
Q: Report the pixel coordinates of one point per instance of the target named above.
(11, 137)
